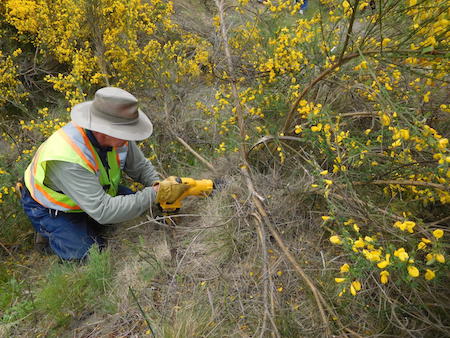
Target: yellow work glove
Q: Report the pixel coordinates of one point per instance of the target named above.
(170, 190)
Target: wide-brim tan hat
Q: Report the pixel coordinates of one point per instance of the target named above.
(113, 112)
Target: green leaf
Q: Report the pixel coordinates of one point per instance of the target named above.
(427, 49)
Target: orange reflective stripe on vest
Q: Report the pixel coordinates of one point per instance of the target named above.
(79, 152)
(88, 144)
(51, 199)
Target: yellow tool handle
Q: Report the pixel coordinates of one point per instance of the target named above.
(196, 188)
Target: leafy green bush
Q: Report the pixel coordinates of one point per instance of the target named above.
(68, 292)
(71, 290)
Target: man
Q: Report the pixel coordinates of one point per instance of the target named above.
(72, 183)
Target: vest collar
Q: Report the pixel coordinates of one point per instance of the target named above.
(95, 143)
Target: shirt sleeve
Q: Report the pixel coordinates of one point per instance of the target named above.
(83, 187)
(138, 167)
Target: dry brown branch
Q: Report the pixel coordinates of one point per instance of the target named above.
(197, 155)
(6, 249)
(265, 218)
(359, 114)
(268, 314)
(238, 105)
(440, 221)
(269, 138)
(324, 74)
(262, 240)
(255, 197)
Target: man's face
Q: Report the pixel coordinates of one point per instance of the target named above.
(108, 141)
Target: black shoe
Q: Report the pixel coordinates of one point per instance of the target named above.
(41, 244)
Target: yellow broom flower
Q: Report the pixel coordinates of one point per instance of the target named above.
(335, 239)
(438, 233)
(357, 285)
(345, 268)
(440, 258)
(429, 274)
(384, 276)
(413, 271)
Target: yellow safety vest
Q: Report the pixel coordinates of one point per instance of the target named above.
(71, 144)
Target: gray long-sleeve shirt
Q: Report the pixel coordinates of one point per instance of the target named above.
(83, 187)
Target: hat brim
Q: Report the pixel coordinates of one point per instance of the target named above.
(139, 130)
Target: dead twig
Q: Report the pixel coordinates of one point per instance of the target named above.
(6, 249)
(197, 155)
(255, 197)
(238, 105)
(142, 311)
(321, 303)
(358, 114)
(440, 221)
(267, 310)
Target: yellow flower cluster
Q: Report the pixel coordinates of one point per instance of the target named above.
(403, 258)
(354, 286)
(429, 23)
(405, 226)
(45, 127)
(114, 41)
(5, 191)
(10, 85)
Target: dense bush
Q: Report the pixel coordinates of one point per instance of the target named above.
(350, 99)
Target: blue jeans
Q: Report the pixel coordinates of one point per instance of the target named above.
(70, 234)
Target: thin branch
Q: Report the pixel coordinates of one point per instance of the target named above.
(265, 217)
(142, 311)
(267, 309)
(256, 198)
(269, 138)
(349, 31)
(359, 114)
(238, 105)
(386, 173)
(324, 74)
(440, 221)
(6, 249)
(11, 137)
(197, 155)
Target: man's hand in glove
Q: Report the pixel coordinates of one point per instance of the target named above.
(169, 190)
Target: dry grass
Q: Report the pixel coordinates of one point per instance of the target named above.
(221, 281)
(217, 282)
(229, 276)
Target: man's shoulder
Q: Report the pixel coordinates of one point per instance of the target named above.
(65, 166)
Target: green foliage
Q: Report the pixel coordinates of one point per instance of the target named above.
(14, 222)
(17, 312)
(354, 119)
(10, 290)
(69, 291)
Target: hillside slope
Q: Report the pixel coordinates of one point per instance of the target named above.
(329, 130)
